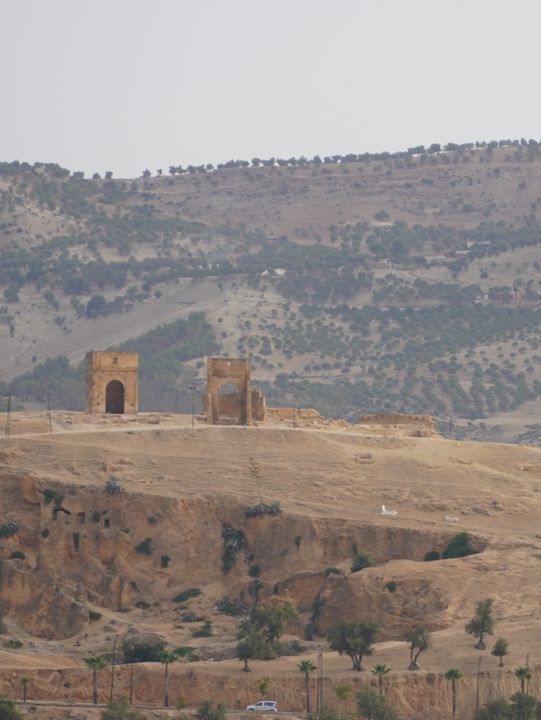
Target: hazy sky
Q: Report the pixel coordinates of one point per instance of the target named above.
(125, 85)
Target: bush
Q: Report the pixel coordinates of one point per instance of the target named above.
(254, 571)
(263, 509)
(459, 547)
(94, 616)
(96, 516)
(145, 547)
(120, 710)
(164, 561)
(13, 644)
(207, 711)
(112, 486)
(233, 542)
(432, 555)
(8, 710)
(136, 650)
(142, 604)
(362, 560)
(231, 606)
(17, 555)
(152, 520)
(204, 631)
(45, 533)
(332, 571)
(187, 594)
(391, 586)
(8, 529)
(187, 652)
(48, 496)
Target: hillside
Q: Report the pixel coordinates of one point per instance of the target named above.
(360, 283)
(86, 569)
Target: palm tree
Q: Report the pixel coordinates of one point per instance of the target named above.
(24, 683)
(167, 657)
(523, 674)
(95, 663)
(453, 675)
(306, 667)
(380, 671)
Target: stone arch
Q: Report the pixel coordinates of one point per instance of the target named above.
(114, 397)
(229, 406)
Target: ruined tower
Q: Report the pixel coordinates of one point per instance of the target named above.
(111, 382)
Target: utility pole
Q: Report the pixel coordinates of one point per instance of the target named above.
(477, 689)
(8, 418)
(319, 685)
(294, 406)
(112, 672)
(49, 414)
(192, 389)
(131, 683)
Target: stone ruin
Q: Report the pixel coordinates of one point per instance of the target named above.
(230, 398)
(111, 382)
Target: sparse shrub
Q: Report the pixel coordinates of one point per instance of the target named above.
(112, 486)
(48, 496)
(207, 711)
(362, 560)
(432, 555)
(190, 617)
(8, 529)
(291, 647)
(332, 571)
(96, 516)
(231, 606)
(17, 555)
(233, 542)
(391, 586)
(187, 652)
(309, 630)
(263, 509)
(152, 520)
(204, 631)
(145, 547)
(187, 594)
(254, 571)
(94, 616)
(13, 644)
(298, 541)
(8, 710)
(45, 533)
(164, 561)
(142, 604)
(459, 547)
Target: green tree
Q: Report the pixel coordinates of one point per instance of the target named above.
(523, 674)
(272, 618)
(167, 657)
(8, 710)
(453, 674)
(373, 706)
(352, 638)
(380, 671)
(306, 667)
(500, 649)
(419, 641)
(252, 645)
(523, 706)
(120, 709)
(95, 663)
(482, 623)
(498, 709)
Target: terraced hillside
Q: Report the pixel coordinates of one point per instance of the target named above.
(355, 284)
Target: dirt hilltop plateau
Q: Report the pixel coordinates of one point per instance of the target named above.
(85, 568)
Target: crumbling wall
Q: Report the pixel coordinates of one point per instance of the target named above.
(243, 406)
(422, 425)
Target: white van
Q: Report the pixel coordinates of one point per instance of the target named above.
(263, 706)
